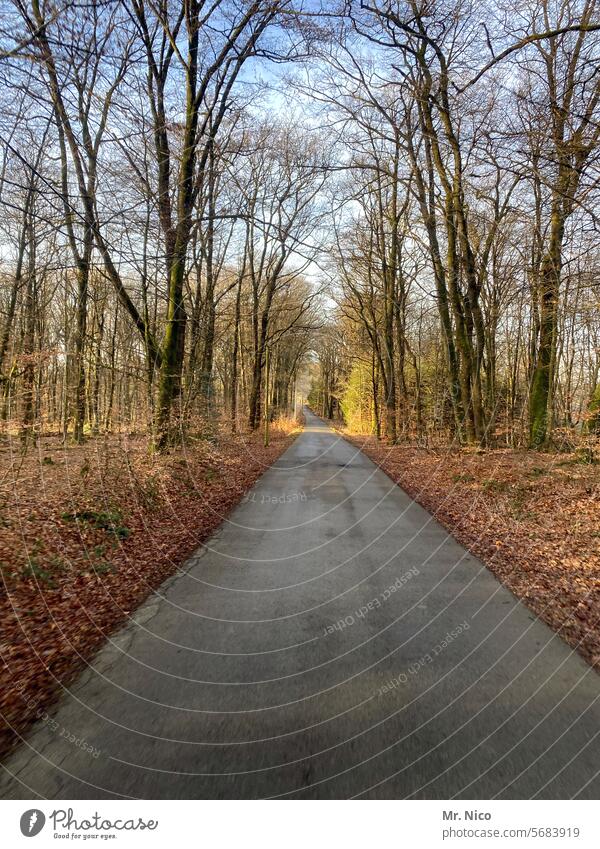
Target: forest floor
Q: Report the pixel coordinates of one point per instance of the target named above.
(87, 533)
(532, 517)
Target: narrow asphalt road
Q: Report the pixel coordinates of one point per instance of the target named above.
(330, 641)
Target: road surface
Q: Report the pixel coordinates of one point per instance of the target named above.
(331, 640)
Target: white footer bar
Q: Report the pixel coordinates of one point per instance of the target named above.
(301, 824)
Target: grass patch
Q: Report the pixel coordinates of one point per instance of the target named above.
(517, 503)
(110, 521)
(494, 485)
(583, 457)
(104, 567)
(44, 574)
(463, 477)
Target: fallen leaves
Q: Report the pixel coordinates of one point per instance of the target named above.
(533, 518)
(87, 533)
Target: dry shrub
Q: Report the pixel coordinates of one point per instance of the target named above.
(287, 425)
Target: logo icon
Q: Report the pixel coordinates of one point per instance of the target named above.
(32, 822)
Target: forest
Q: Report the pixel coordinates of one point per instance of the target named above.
(465, 273)
(214, 213)
(417, 234)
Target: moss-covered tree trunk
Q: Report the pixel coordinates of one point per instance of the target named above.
(547, 297)
(78, 390)
(169, 384)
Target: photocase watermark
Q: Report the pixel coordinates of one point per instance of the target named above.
(55, 726)
(94, 827)
(275, 498)
(32, 822)
(66, 820)
(427, 658)
(375, 603)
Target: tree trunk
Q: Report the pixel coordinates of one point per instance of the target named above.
(549, 287)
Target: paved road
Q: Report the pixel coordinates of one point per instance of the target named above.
(330, 641)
